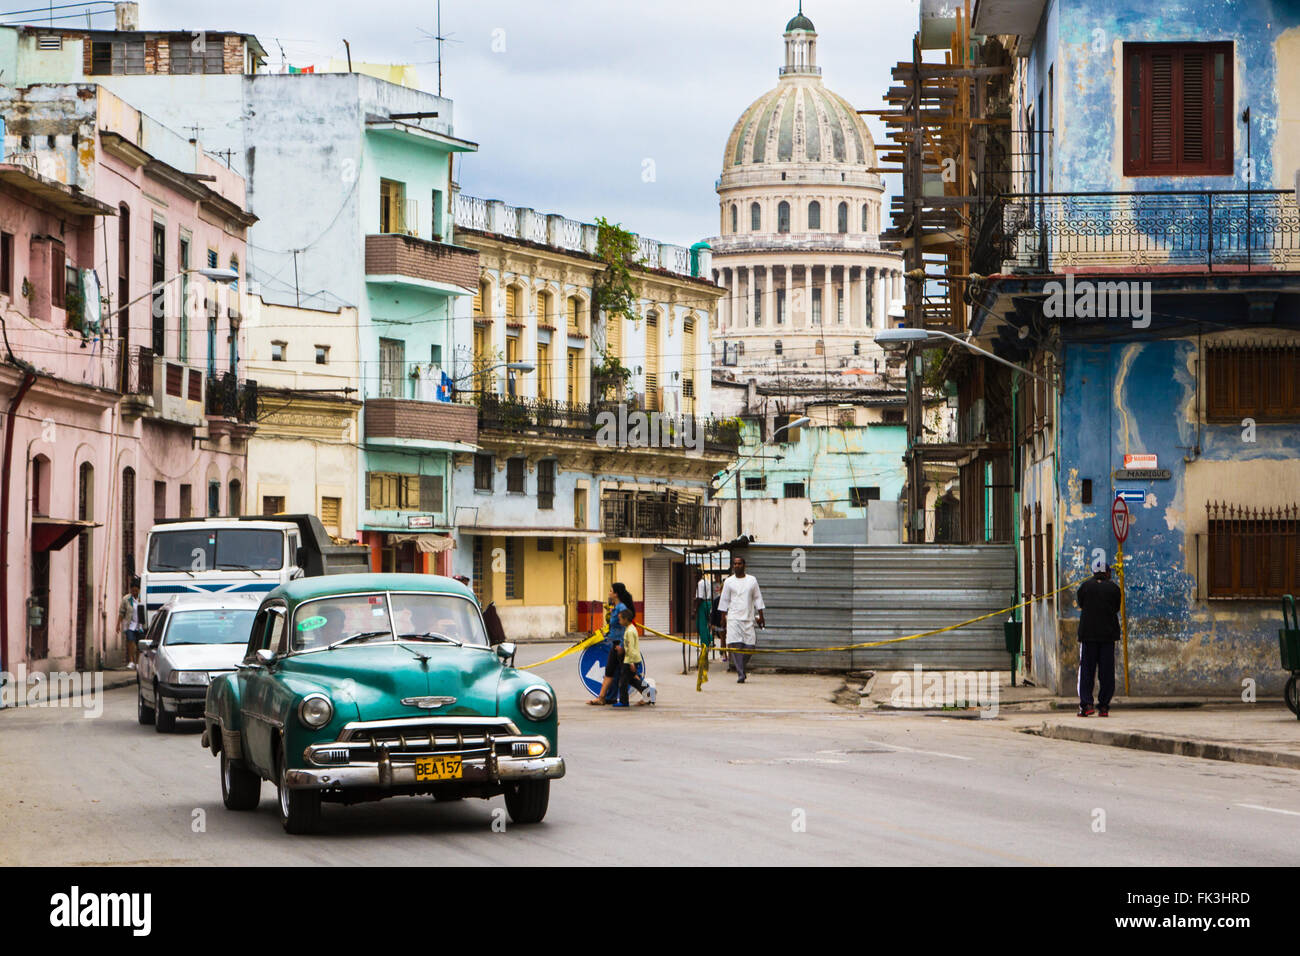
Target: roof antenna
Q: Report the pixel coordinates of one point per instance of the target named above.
(440, 38)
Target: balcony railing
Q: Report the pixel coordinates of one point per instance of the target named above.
(1140, 231)
(228, 397)
(137, 371)
(582, 421)
(645, 515)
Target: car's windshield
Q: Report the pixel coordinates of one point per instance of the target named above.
(212, 626)
(227, 549)
(362, 618)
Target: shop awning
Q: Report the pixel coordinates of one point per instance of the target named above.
(424, 543)
(51, 534)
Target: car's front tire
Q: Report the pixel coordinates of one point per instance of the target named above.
(143, 713)
(164, 720)
(299, 809)
(240, 787)
(527, 800)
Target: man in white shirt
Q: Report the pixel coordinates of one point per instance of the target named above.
(741, 604)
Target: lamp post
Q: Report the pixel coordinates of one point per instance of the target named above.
(221, 276)
(735, 469)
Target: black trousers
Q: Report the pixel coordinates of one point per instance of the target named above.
(1096, 662)
(629, 678)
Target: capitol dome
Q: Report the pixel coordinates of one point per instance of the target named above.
(800, 213)
(800, 120)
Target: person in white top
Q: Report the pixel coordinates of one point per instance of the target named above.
(741, 604)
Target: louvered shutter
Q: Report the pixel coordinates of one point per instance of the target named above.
(430, 492)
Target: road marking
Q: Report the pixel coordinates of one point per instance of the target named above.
(1256, 806)
(931, 753)
(776, 760)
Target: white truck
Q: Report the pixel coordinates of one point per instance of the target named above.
(213, 557)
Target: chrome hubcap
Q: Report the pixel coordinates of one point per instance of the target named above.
(284, 794)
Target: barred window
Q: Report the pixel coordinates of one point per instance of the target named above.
(515, 475)
(756, 483)
(546, 485)
(482, 472)
(1253, 552)
(858, 497)
(514, 571)
(1252, 381)
(201, 54)
(794, 489)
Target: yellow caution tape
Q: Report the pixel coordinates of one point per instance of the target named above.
(731, 648)
(581, 645)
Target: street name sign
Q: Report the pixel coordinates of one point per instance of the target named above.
(1142, 474)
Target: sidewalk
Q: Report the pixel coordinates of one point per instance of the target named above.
(1212, 728)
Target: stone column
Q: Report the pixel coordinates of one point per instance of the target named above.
(882, 295)
(807, 296)
(828, 299)
(769, 298)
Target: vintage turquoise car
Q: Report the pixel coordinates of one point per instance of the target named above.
(357, 687)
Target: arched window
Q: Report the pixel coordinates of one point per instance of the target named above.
(783, 217)
(755, 217)
(857, 348)
(865, 224)
(843, 217)
(814, 215)
(735, 218)
(234, 498)
(779, 349)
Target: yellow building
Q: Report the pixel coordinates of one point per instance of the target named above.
(596, 448)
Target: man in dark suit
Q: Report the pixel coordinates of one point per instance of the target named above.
(1099, 603)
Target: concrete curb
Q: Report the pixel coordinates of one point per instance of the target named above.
(1160, 743)
(112, 680)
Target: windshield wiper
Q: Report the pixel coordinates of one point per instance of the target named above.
(365, 635)
(431, 636)
(236, 567)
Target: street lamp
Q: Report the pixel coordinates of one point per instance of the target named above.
(895, 338)
(735, 469)
(221, 276)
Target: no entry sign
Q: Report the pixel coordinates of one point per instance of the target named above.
(1119, 519)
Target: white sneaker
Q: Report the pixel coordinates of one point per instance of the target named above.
(651, 693)
(130, 665)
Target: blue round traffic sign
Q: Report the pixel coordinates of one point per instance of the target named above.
(591, 667)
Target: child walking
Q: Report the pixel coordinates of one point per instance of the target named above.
(632, 657)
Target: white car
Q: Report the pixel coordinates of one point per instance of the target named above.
(189, 642)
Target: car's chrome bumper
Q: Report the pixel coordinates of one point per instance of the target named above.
(489, 770)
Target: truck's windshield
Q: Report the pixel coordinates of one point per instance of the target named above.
(225, 549)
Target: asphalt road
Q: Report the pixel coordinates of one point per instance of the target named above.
(772, 772)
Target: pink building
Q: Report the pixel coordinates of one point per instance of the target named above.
(122, 395)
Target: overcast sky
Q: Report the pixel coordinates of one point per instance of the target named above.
(569, 99)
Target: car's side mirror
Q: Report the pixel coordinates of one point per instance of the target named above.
(506, 651)
(264, 655)
(300, 557)
(144, 644)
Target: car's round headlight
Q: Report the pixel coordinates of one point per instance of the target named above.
(192, 677)
(315, 710)
(537, 703)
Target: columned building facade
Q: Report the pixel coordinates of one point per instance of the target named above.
(800, 212)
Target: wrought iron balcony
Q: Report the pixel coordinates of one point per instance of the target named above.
(581, 421)
(649, 515)
(228, 397)
(1141, 231)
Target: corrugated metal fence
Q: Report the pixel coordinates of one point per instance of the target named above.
(851, 594)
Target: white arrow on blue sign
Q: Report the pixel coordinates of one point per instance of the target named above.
(591, 667)
(1131, 494)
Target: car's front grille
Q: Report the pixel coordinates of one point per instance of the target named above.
(406, 740)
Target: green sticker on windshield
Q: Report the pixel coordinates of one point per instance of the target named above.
(312, 623)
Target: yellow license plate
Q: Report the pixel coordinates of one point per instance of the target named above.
(438, 768)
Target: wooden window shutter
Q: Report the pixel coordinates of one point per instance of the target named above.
(370, 483)
(614, 335)
(1178, 109)
(478, 300)
(512, 304)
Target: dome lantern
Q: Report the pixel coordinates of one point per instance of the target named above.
(800, 47)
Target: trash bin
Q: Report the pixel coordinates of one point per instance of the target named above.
(1012, 632)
